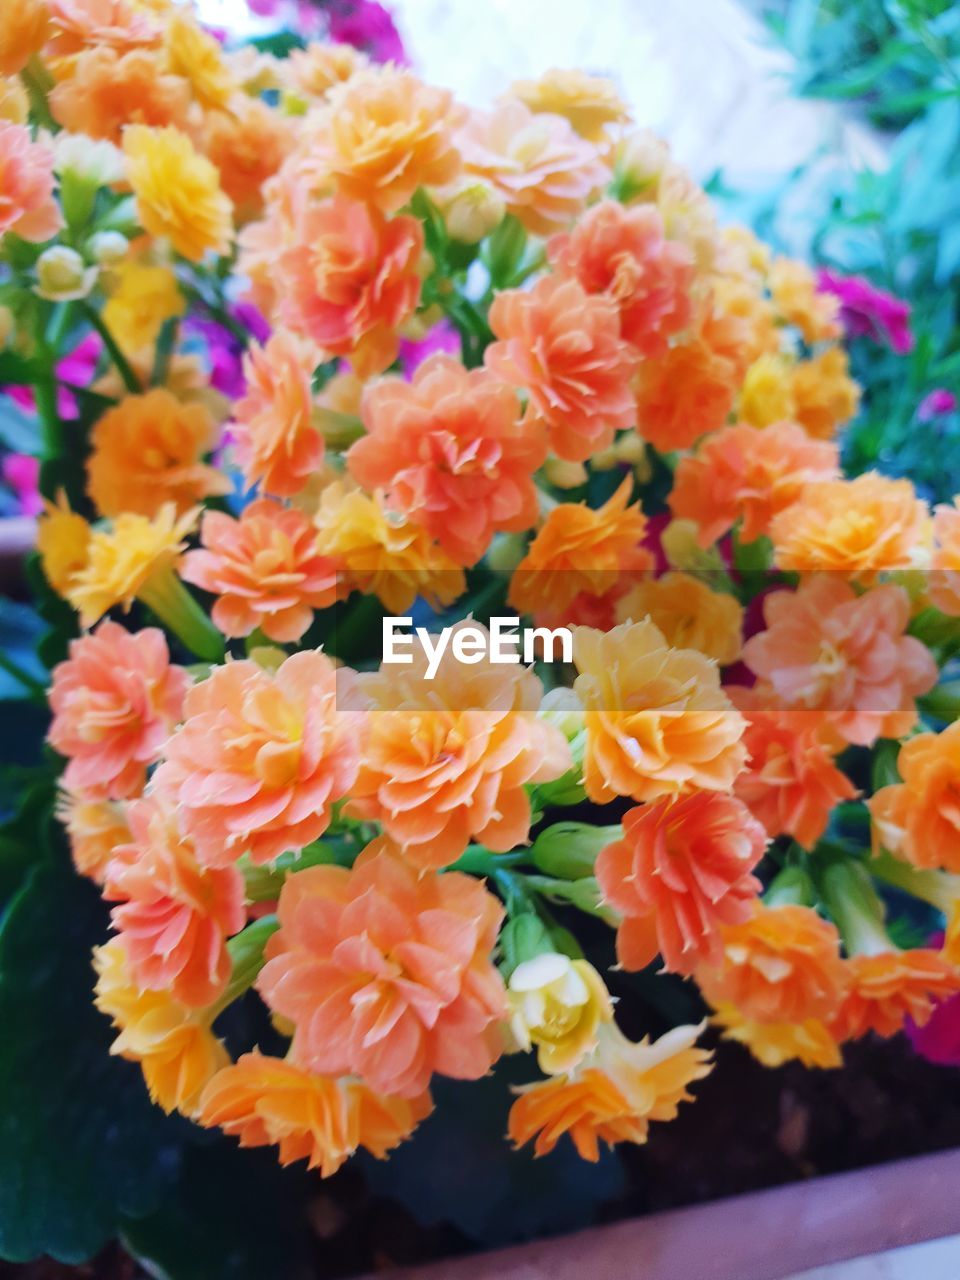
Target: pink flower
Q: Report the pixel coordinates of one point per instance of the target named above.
(27, 204)
(75, 369)
(22, 474)
(938, 1040)
(868, 311)
(936, 403)
(368, 26)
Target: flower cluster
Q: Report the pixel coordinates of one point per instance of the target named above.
(358, 349)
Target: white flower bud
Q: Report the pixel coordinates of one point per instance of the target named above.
(108, 248)
(62, 274)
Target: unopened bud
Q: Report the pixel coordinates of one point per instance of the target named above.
(62, 274)
(108, 248)
(563, 474)
(472, 211)
(569, 850)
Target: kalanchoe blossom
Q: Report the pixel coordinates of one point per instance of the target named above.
(368, 26)
(936, 404)
(867, 311)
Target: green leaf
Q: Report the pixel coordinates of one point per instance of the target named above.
(80, 1142)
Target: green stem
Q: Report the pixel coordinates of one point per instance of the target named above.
(855, 907)
(938, 888)
(477, 861)
(173, 604)
(35, 689)
(52, 435)
(38, 82)
(246, 952)
(130, 379)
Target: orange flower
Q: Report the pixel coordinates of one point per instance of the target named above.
(774, 1043)
(174, 916)
(793, 287)
(743, 473)
(544, 172)
(270, 1102)
(27, 205)
(781, 965)
(350, 279)
(450, 451)
(859, 527)
(260, 759)
(387, 973)
(385, 135)
(613, 1095)
(689, 614)
(623, 254)
(120, 24)
(380, 553)
(247, 141)
(94, 828)
(658, 723)
(26, 25)
(589, 103)
(889, 986)
(147, 452)
(687, 391)
(276, 442)
(581, 550)
(447, 760)
(790, 783)
(681, 870)
(107, 90)
(114, 701)
(824, 394)
(564, 347)
(265, 570)
(177, 1051)
(919, 819)
(945, 578)
(847, 655)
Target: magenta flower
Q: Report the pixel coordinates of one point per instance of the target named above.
(867, 311)
(76, 369)
(442, 337)
(937, 402)
(368, 26)
(22, 473)
(938, 1040)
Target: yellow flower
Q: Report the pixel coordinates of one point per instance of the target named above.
(793, 287)
(689, 614)
(588, 102)
(126, 560)
(63, 540)
(774, 1043)
(141, 299)
(177, 1051)
(14, 104)
(824, 394)
(178, 191)
(197, 57)
(767, 394)
(557, 1004)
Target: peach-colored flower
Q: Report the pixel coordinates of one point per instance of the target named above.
(318, 68)
(277, 444)
(450, 451)
(581, 550)
(624, 255)
(682, 869)
(174, 916)
(887, 987)
(107, 90)
(271, 1102)
(197, 56)
(94, 827)
(563, 346)
(379, 552)
(260, 759)
(919, 818)
(790, 782)
(265, 570)
(24, 31)
(793, 287)
(827, 649)
(114, 701)
(544, 172)
(247, 141)
(613, 1095)
(781, 965)
(658, 722)
(148, 451)
(27, 205)
(945, 576)
(856, 526)
(447, 760)
(823, 393)
(350, 279)
(747, 474)
(177, 1051)
(119, 24)
(588, 102)
(688, 612)
(387, 973)
(385, 134)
